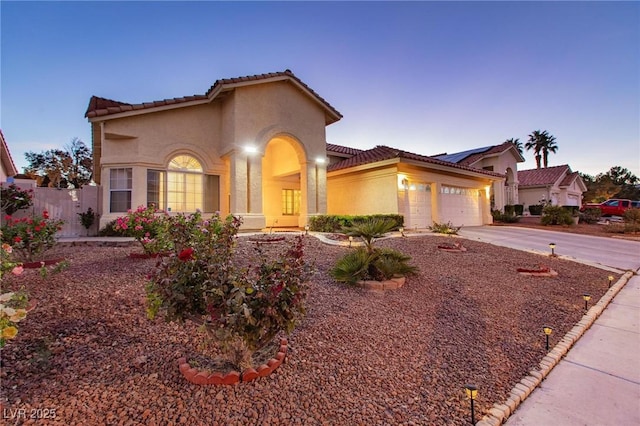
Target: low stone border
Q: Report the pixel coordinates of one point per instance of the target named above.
(392, 284)
(198, 377)
(501, 411)
(540, 272)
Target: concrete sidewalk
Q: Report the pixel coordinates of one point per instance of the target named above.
(598, 382)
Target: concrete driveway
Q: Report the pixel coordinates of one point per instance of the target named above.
(611, 252)
(598, 381)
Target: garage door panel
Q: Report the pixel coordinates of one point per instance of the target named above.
(461, 206)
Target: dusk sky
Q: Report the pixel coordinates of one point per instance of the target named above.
(426, 77)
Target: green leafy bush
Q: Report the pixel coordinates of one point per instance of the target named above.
(31, 237)
(590, 215)
(12, 198)
(335, 223)
(445, 228)
(536, 209)
(149, 226)
(498, 216)
(243, 308)
(632, 220)
(509, 209)
(519, 208)
(556, 215)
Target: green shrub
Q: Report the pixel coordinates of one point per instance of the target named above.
(335, 223)
(509, 209)
(591, 215)
(369, 230)
(109, 230)
(445, 228)
(352, 267)
(519, 209)
(631, 220)
(536, 209)
(556, 215)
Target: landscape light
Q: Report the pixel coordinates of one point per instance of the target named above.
(401, 229)
(547, 332)
(610, 280)
(472, 393)
(586, 298)
(552, 246)
(306, 230)
(350, 241)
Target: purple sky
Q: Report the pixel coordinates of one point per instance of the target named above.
(427, 77)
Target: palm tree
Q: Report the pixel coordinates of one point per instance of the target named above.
(535, 143)
(516, 142)
(549, 145)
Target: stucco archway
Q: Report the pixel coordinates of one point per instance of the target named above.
(284, 185)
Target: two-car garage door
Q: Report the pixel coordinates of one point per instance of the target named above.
(460, 206)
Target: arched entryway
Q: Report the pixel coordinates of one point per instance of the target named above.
(284, 182)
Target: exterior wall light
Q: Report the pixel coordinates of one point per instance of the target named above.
(320, 160)
(472, 393)
(552, 246)
(250, 149)
(586, 298)
(610, 280)
(547, 332)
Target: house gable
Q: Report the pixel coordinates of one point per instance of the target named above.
(6, 161)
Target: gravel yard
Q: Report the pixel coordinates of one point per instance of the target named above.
(401, 357)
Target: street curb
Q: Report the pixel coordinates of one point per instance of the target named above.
(501, 411)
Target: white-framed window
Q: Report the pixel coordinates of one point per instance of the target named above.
(120, 185)
(290, 202)
(183, 187)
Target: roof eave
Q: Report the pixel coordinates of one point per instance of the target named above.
(140, 111)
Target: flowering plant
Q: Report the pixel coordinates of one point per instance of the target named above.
(12, 305)
(13, 198)
(31, 236)
(149, 226)
(244, 308)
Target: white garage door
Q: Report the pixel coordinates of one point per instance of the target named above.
(460, 206)
(419, 206)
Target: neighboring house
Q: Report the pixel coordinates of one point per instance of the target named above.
(7, 166)
(556, 185)
(256, 147)
(503, 159)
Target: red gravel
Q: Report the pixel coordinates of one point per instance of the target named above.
(89, 353)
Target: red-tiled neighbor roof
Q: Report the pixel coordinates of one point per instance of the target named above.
(5, 154)
(382, 153)
(99, 107)
(542, 177)
(496, 149)
(344, 150)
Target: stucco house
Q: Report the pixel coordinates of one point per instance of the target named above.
(256, 147)
(557, 185)
(7, 166)
(502, 158)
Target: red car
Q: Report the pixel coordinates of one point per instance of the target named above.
(613, 207)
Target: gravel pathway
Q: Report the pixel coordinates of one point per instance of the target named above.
(88, 353)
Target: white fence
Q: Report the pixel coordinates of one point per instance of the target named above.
(65, 204)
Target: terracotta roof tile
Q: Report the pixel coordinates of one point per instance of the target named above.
(382, 153)
(541, 177)
(339, 149)
(99, 107)
(569, 178)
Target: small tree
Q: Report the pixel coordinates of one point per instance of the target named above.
(61, 168)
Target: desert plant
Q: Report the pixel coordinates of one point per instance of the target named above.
(631, 220)
(335, 223)
(242, 309)
(445, 228)
(353, 267)
(556, 215)
(369, 230)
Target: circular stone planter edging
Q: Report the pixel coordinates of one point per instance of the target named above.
(48, 262)
(198, 377)
(392, 284)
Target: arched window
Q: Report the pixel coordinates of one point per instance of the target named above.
(183, 187)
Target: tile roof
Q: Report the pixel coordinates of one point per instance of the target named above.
(471, 156)
(99, 107)
(339, 149)
(569, 178)
(7, 160)
(382, 153)
(541, 177)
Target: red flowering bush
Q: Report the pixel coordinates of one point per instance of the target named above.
(13, 198)
(31, 237)
(148, 226)
(243, 308)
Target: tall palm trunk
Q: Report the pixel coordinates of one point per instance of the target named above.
(538, 156)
